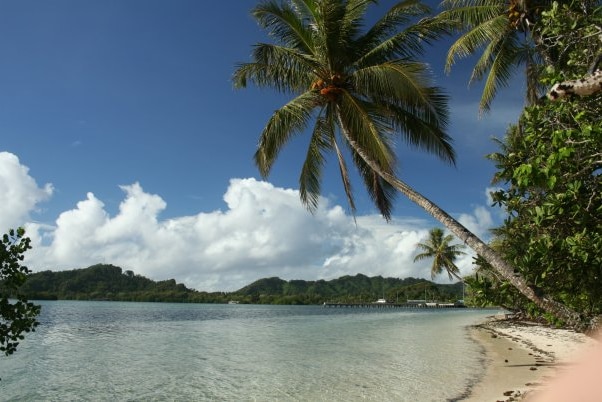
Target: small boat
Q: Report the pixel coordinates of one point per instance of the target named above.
(233, 302)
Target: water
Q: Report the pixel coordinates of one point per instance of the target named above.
(110, 351)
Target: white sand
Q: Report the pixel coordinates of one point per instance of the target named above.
(522, 357)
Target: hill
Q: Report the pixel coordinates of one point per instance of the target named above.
(358, 288)
(108, 282)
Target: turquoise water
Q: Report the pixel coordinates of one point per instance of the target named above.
(109, 351)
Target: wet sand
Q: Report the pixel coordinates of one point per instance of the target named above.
(521, 358)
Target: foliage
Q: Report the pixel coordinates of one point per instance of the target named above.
(554, 231)
(16, 316)
(438, 247)
(355, 87)
(571, 36)
(551, 165)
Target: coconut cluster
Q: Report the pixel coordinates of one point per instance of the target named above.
(330, 88)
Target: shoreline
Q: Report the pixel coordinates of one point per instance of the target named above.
(521, 357)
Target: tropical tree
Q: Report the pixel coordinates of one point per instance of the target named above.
(503, 30)
(359, 88)
(438, 247)
(16, 316)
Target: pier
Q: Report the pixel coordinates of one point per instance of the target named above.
(409, 304)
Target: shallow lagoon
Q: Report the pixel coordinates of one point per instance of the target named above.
(162, 351)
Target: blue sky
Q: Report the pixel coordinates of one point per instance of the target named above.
(124, 141)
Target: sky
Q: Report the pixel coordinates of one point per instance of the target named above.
(123, 141)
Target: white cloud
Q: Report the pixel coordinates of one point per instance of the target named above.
(263, 231)
(478, 222)
(19, 193)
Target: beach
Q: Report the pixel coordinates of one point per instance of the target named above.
(523, 358)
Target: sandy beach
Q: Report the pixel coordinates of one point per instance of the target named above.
(523, 358)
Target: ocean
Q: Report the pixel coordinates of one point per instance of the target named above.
(114, 351)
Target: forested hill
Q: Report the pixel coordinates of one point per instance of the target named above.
(108, 282)
(358, 288)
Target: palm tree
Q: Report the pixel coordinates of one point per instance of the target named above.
(438, 247)
(359, 88)
(503, 30)
(368, 85)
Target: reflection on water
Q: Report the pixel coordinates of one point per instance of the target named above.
(153, 351)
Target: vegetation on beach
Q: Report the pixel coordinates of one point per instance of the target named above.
(108, 282)
(549, 166)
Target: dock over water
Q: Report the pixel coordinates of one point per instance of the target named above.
(394, 305)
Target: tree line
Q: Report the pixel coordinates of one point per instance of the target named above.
(346, 289)
(109, 282)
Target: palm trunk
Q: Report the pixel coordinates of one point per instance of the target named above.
(507, 271)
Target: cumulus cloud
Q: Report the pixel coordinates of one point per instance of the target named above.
(263, 231)
(19, 192)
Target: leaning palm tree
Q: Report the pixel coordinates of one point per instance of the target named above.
(438, 247)
(359, 89)
(502, 30)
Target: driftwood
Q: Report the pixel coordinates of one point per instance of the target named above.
(588, 85)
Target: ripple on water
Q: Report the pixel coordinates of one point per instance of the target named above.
(151, 351)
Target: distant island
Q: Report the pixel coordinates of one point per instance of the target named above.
(108, 282)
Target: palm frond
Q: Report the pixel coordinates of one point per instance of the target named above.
(400, 14)
(386, 41)
(492, 30)
(305, 8)
(499, 59)
(502, 45)
(427, 254)
(471, 13)
(414, 109)
(380, 191)
(423, 135)
(330, 44)
(278, 67)
(366, 129)
(403, 83)
(344, 176)
(285, 24)
(287, 121)
(533, 62)
(311, 172)
(394, 80)
(354, 17)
